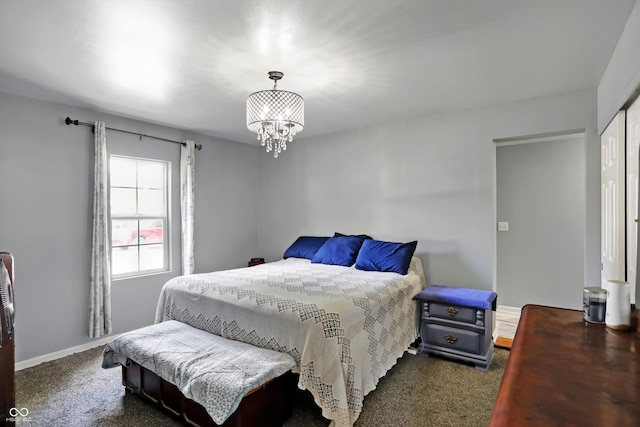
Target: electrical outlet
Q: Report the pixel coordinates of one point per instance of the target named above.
(503, 226)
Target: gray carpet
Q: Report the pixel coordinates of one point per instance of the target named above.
(434, 392)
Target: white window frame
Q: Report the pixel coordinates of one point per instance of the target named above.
(166, 220)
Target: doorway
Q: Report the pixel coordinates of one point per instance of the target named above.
(541, 210)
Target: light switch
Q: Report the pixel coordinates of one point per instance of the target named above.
(503, 226)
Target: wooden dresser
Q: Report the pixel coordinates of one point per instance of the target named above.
(7, 361)
(563, 371)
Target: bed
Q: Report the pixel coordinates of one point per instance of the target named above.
(344, 327)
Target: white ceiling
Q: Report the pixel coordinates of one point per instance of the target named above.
(191, 64)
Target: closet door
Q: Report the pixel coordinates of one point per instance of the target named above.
(633, 171)
(612, 203)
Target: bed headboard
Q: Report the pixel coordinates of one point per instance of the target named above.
(7, 258)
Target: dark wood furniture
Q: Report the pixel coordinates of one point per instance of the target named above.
(456, 332)
(255, 261)
(7, 360)
(563, 371)
(265, 406)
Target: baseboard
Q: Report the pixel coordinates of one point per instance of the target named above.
(62, 353)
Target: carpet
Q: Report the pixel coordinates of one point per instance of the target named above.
(418, 391)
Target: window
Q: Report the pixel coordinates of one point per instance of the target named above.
(139, 206)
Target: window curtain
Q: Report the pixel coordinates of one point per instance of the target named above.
(100, 294)
(187, 181)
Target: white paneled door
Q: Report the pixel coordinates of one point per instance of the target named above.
(633, 171)
(613, 254)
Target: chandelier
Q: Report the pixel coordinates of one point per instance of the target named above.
(275, 115)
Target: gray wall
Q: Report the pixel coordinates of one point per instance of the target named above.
(621, 79)
(428, 178)
(540, 192)
(46, 171)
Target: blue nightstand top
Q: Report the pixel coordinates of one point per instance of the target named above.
(477, 298)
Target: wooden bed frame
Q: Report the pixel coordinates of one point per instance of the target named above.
(264, 406)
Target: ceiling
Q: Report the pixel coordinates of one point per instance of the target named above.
(191, 64)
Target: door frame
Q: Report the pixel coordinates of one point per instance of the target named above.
(517, 140)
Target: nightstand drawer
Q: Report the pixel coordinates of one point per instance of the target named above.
(451, 312)
(453, 338)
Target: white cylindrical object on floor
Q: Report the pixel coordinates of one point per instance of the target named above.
(618, 305)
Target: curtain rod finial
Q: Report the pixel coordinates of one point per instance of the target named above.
(68, 121)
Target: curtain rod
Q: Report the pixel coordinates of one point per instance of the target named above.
(68, 122)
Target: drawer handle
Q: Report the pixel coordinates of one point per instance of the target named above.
(451, 311)
(451, 338)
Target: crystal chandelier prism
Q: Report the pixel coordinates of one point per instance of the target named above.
(275, 115)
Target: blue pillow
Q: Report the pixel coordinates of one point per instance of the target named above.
(341, 250)
(304, 247)
(336, 234)
(376, 255)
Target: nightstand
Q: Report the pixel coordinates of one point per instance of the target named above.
(457, 323)
(255, 261)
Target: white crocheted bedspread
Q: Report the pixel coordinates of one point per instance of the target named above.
(344, 327)
(208, 369)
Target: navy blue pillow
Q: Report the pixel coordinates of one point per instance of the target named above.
(376, 255)
(304, 247)
(341, 250)
(336, 234)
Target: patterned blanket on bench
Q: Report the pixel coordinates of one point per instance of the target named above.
(210, 370)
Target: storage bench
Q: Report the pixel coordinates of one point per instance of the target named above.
(205, 379)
